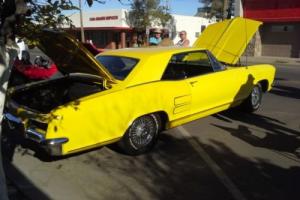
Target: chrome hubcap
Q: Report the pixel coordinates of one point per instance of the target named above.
(255, 96)
(142, 133)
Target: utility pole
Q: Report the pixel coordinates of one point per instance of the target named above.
(225, 6)
(81, 23)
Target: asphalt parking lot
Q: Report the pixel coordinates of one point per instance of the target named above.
(231, 155)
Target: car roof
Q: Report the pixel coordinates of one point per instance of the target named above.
(152, 62)
(141, 53)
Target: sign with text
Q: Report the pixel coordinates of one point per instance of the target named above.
(104, 18)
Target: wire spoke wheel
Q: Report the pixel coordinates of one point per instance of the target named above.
(142, 132)
(141, 135)
(255, 96)
(253, 102)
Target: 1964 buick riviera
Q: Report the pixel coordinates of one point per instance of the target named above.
(130, 95)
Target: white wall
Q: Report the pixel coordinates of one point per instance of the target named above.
(238, 10)
(192, 25)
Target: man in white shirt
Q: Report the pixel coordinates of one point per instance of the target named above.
(22, 47)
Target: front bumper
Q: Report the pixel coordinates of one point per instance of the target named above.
(51, 146)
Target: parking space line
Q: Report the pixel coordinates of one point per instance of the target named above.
(217, 170)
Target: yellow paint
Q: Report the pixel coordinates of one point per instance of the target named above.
(104, 117)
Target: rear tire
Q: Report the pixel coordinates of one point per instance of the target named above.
(141, 136)
(253, 101)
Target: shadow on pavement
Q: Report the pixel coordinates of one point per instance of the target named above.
(278, 136)
(20, 187)
(171, 171)
(27, 189)
(280, 79)
(174, 170)
(259, 180)
(286, 91)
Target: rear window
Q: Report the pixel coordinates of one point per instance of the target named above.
(118, 66)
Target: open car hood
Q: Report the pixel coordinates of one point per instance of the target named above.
(227, 40)
(69, 55)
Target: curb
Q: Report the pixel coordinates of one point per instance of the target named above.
(271, 60)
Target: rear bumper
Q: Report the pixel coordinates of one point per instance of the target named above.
(52, 146)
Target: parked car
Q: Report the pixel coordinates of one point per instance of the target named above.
(24, 71)
(130, 95)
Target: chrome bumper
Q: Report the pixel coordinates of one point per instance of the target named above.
(52, 146)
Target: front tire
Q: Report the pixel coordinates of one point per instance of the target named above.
(141, 135)
(253, 101)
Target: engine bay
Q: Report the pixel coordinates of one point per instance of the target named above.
(43, 96)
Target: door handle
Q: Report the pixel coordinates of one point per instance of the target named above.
(193, 82)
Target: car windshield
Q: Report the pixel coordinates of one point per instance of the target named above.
(118, 66)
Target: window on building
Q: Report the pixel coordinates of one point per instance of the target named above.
(282, 28)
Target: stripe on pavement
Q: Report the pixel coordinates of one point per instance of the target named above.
(217, 170)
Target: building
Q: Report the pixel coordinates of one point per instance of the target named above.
(109, 29)
(280, 33)
(192, 25)
(106, 29)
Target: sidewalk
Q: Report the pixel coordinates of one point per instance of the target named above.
(271, 60)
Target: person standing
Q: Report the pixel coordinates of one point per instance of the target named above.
(134, 41)
(22, 47)
(156, 38)
(183, 42)
(166, 41)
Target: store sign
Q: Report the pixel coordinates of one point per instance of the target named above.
(103, 18)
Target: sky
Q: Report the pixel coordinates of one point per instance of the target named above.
(180, 7)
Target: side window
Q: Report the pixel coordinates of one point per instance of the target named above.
(186, 65)
(217, 66)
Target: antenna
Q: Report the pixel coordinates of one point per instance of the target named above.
(246, 42)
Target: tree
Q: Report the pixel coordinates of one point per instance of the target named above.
(214, 8)
(144, 14)
(44, 15)
(12, 12)
(148, 13)
(24, 18)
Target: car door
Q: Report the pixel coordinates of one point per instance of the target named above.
(211, 88)
(173, 80)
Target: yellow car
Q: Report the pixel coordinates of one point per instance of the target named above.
(130, 95)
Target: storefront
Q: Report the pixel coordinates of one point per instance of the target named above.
(105, 29)
(280, 32)
(109, 29)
